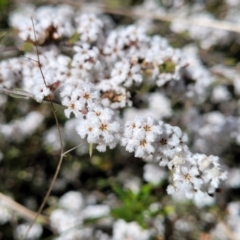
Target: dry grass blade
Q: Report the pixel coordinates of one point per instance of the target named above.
(21, 210)
(211, 23)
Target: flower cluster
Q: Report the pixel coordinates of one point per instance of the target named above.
(101, 127)
(197, 175)
(194, 174)
(147, 137)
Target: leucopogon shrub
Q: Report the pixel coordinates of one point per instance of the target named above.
(94, 69)
(94, 83)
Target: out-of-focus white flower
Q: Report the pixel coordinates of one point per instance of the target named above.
(51, 139)
(34, 233)
(233, 180)
(95, 211)
(17, 130)
(76, 234)
(63, 220)
(31, 30)
(220, 94)
(126, 73)
(207, 37)
(129, 181)
(44, 85)
(5, 214)
(89, 27)
(232, 3)
(72, 201)
(233, 219)
(220, 232)
(153, 173)
(182, 225)
(123, 230)
(160, 105)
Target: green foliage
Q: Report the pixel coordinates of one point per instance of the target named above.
(3, 4)
(133, 204)
(75, 37)
(4, 7)
(167, 67)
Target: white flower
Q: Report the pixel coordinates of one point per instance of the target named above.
(153, 173)
(71, 200)
(147, 137)
(211, 171)
(62, 220)
(139, 136)
(34, 233)
(126, 73)
(79, 98)
(170, 142)
(123, 230)
(220, 94)
(100, 127)
(233, 180)
(89, 27)
(196, 175)
(113, 47)
(43, 85)
(29, 29)
(95, 211)
(113, 95)
(5, 214)
(86, 52)
(187, 179)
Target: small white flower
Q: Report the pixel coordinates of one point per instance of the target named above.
(71, 200)
(43, 84)
(79, 98)
(34, 233)
(89, 27)
(28, 33)
(62, 220)
(123, 230)
(95, 211)
(126, 73)
(100, 127)
(153, 173)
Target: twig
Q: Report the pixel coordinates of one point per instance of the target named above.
(61, 143)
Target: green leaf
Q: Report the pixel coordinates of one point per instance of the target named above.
(75, 37)
(119, 191)
(167, 67)
(3, 4)
(28, 47)
(90, 149)
(2, 34)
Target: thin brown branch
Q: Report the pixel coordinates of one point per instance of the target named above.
(62, 151)
(38, 59)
